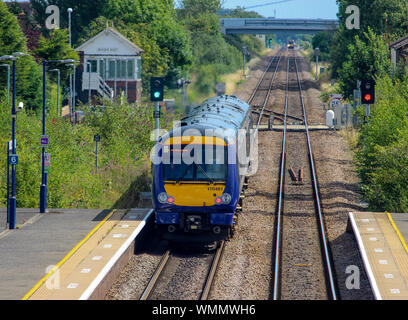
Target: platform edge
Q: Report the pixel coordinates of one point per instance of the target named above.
(87, 294)
(367, 266)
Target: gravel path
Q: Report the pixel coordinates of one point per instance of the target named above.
(137, 273)
(246, 268)
(183, 278)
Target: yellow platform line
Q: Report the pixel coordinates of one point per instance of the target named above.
(404, 244)
(59, 264)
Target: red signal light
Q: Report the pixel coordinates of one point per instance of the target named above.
(367, 97)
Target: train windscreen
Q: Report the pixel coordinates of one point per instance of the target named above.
(195, 163)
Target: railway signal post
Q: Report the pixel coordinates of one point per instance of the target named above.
(367, 95)
(156, 95)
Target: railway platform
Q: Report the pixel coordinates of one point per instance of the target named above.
(382, 239)
(66, 253)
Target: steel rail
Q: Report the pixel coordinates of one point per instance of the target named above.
(329, 269)
(156, 275)
(213, 269)
(255, 134)
(280, 200)
(267, 96)
(260, 81)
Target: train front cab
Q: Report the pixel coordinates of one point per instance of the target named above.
(195, 199)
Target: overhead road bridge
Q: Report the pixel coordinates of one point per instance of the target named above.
(272, 25)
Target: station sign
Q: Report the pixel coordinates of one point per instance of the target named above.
(47, 162)
(13, 159)
(44, 141)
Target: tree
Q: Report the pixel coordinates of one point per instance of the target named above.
(382, 159)
(322, 40)
(83, 13)
(372, 15)
(56, 47)
(195, 7)
(11, 37)
(367, 58)
(28, 73)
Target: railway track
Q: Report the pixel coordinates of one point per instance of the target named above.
(261, 94)
(303, 188)
(165, 262)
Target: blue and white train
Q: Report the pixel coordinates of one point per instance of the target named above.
(198, 175)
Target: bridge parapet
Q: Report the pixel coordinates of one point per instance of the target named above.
(271, 25)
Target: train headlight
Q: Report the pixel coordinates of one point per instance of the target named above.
(226, 198)
(162, 197)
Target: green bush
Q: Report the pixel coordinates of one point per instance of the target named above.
(382, 157)
(73, 181)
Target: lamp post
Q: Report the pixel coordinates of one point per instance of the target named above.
(58, 92)
(8, 81)
(43, 188)
(69, 25)
(13, 200)
(8, 146)
(70, 44)
(72, 84)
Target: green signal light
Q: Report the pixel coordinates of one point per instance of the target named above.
(157, 94)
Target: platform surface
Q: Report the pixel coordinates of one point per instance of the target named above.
(81, 274)
(42, 241)
(382, 238)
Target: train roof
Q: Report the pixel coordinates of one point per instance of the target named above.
(225, 113)
(221, 112)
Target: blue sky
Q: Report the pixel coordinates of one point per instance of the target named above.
(312, 9)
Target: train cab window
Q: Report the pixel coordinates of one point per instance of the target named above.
(211, 167)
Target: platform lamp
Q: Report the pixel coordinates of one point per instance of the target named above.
(13, 159)
(73, 89)
(43, 188)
